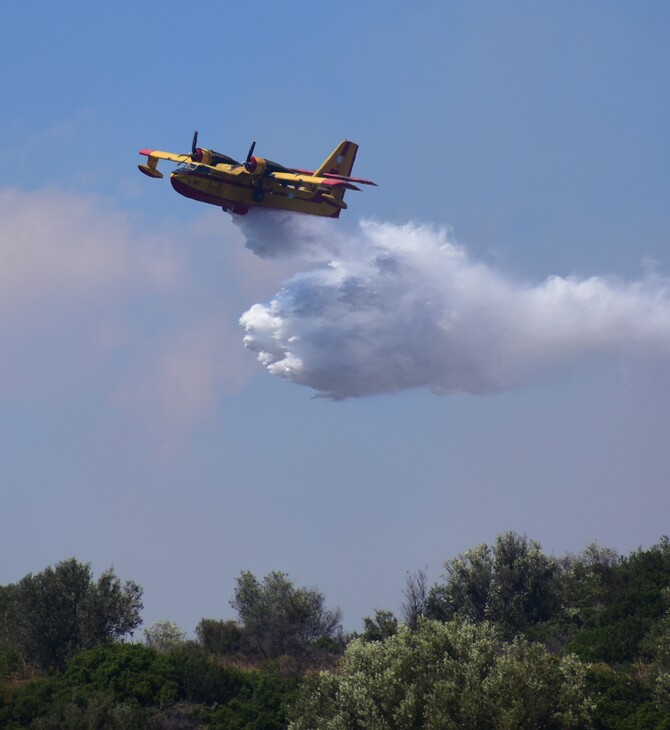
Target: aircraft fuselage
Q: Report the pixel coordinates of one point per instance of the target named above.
(231, 190)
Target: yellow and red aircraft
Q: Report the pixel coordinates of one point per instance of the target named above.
(211, 177)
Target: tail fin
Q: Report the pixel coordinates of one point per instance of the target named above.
(341, 161)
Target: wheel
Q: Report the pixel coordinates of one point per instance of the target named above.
(259, 195)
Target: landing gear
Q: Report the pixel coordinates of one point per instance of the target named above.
(259, 194)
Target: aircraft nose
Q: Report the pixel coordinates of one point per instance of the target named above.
(178, 181)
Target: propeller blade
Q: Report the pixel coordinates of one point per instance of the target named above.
(250, 162)
(194, 146)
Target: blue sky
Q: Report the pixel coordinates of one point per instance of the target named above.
(136, 431)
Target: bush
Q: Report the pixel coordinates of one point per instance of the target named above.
(132, 686)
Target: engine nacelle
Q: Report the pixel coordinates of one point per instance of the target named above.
(255, 165)
(261, 166)
(210, 157)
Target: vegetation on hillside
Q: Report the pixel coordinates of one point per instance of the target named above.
(509, 637)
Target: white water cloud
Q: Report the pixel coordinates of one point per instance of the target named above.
(393, 307)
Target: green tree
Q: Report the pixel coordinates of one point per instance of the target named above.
(164, 636)
(618, 626)
(380, 626)
(586, 582)
(12, 662)
(525, 587)
(467, 590)
(513, 584)
(54, 614)
(443, 676)
(219, 638)
(280, 619)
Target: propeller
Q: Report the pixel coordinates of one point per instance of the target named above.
(250, 162)
(196, 153)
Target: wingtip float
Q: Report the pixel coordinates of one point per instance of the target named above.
(214, 178)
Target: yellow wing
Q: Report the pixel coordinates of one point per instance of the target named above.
(166, 155)
(296, 177)
(152, 160)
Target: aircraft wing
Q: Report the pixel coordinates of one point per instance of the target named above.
(334, 176)
(312, 180)
(166, 155)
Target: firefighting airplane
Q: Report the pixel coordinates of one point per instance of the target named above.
(211, 177)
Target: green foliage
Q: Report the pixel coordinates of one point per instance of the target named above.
(625, 701)
(587, 580)
(265, 709)
(133, 686)
(279, 619)
(657, 642)
(605, 607)
(219, 638)
(380, 626)
(128, 672)
(11, 663)
(52, 615)
(618, 695)
(442, 676)
(477, 664)
(512, 584)
(164, 636)
(629, 609)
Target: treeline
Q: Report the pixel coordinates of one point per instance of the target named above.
(509, 637)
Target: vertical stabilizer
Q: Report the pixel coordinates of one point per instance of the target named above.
(341, 161)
